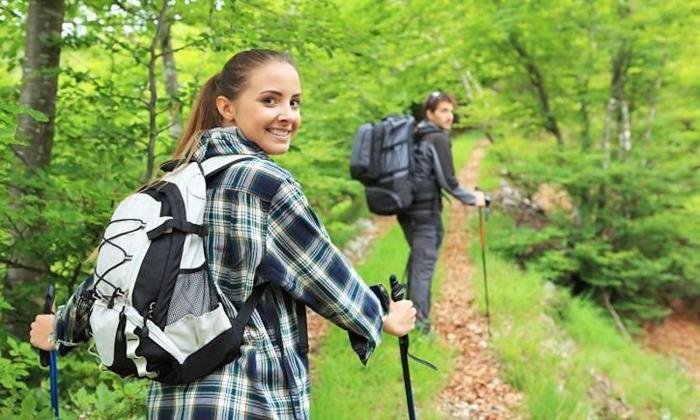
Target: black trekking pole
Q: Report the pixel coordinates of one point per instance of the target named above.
(50, 359)
(397, 293)
(482, 237)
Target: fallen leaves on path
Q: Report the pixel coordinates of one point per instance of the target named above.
(474, 390)
(678, 336)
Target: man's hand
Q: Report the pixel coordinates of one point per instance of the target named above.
(480, 199)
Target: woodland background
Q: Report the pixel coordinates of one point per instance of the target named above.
(594, 103)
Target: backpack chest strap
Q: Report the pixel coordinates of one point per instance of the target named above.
(169, 224)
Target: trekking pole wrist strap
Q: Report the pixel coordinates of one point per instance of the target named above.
(380, 292)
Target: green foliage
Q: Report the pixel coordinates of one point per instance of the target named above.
(565, 354)
(622, 236)
(18, 362)
(631, 234)
(125, 399)
(376, 391)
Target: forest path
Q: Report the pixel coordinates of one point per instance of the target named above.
(474, 390)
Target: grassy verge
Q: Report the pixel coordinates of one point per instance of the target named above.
(564, 353)
(343, 388)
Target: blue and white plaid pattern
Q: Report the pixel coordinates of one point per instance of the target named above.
(262, 229)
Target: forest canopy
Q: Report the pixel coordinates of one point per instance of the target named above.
(599, 101)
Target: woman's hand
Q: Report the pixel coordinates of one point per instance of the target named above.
(40, 330)
(480, 198)
(401, 318)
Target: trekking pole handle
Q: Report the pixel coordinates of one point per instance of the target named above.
(398, 291)
(487, 201)
(48, 309)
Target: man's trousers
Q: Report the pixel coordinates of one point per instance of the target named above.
(423, 231)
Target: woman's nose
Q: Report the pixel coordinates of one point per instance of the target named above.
(287, 113)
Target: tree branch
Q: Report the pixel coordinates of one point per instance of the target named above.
(12, 12)
(24, 267)
(537, 82)
(616, 317)
(184, 47)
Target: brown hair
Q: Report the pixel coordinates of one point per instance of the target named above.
(229, 82)
(433, 100)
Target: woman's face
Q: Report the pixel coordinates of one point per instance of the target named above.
(443, 116)
(268, 110)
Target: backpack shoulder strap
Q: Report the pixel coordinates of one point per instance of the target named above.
(246, 311)
(303, 330)
(213, 166)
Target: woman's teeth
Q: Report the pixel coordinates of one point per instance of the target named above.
(280, 133)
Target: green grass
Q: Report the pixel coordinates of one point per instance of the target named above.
(462, 147)
(343, 388)
(558, 349)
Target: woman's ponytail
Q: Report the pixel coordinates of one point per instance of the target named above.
(203, 116)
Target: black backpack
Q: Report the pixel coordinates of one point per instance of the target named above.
(382, 160)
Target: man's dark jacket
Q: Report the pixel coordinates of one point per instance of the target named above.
(434, 170)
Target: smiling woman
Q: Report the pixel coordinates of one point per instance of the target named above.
(263, 104)
(261, 232)
(267, 111)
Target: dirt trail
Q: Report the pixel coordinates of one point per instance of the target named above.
(678, 336)
(474, 390)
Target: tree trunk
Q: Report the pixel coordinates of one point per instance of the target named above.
(620, 65)
(470, 86)
(610, 109)
(585, 117)
(40, 71)
(153, 94)
(40, 81)
(171, 85)
(537, 82)
(617, 105)
(625, 140)
(652, 108)
(465, 79)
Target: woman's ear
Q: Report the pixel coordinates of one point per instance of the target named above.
(430, 115)
(226, 109)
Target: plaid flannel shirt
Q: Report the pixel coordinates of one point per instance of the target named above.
(260, 229)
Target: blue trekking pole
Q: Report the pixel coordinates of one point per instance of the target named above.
(50, 359)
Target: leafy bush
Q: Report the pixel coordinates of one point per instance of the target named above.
(630, 234)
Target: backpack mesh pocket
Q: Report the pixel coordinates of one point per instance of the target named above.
(192, 296)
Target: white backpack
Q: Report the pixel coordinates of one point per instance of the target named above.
(157, 313)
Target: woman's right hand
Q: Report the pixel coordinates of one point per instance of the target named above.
(401, 318)
(40, 330)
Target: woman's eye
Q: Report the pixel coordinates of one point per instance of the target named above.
(295, 103)
(268, 101)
